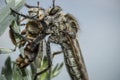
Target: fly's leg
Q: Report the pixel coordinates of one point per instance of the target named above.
(49, 60)
(36, 41)
(29, 6)
(12, 37)
(23, 32)
(22, 41)
(13, 32)
(25, 16)
(56, 53)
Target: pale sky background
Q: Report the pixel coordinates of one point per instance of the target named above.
(99, 37)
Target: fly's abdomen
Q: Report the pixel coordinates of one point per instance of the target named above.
(74, 61)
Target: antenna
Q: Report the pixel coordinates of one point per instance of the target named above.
(38, 4)
(53, 3)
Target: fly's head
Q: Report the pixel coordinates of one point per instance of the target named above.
(54, 10)
(52, 18)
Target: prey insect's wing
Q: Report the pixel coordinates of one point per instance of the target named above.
(40, 54)
(37, 63)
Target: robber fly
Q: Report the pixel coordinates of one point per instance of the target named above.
(63, 28)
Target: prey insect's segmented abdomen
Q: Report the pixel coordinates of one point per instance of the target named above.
(74, 60)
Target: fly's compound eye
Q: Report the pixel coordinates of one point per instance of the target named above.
(55, 10)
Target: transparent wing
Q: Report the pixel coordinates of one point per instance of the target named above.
(76, 60)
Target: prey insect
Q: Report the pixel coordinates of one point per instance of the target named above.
(32, 37)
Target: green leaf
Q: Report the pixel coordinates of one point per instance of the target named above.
(28, 76)
(6, 50)
(5, 13)
(17, 75)
(21, 74)
(7, 70)
(16, 4)
(8, 1)
(33, 69)
(17, 38)
(60, 66)
(43, 76)
(16, 28)
(44, 64)
(2, 77)
(56, 70)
